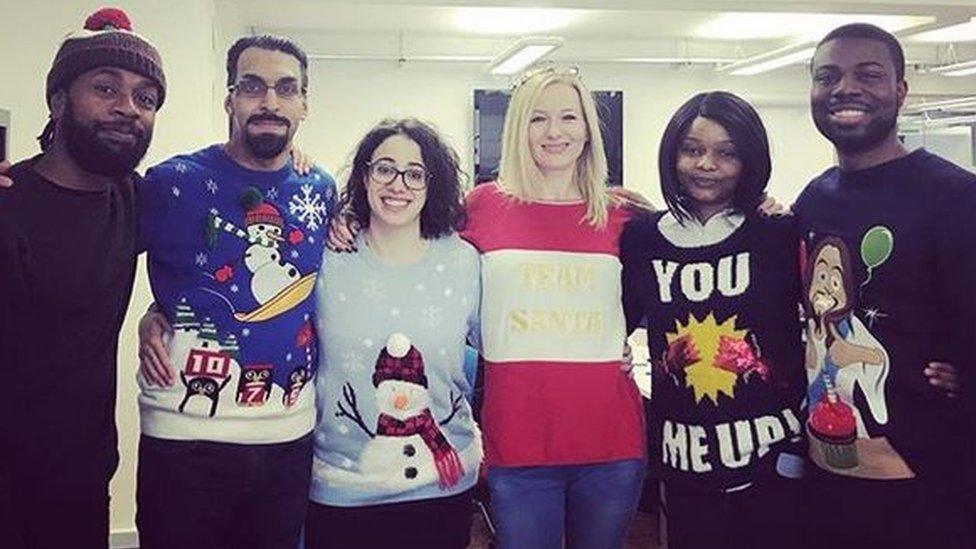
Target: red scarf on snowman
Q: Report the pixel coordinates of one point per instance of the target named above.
(407, 364)
(449, 468)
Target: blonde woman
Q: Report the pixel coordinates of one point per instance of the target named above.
(563, 425)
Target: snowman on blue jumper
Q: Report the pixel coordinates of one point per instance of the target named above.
(408, 448)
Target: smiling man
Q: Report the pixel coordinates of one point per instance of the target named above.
(67, 262)
(234, 237)
(891, 259)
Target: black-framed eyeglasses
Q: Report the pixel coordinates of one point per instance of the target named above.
(256, 88)
(414, 178)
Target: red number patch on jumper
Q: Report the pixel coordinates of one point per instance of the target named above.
(254, 386)
(208, 364)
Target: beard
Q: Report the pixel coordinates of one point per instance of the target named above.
(98, 155)
(267, 145)
(870, 136)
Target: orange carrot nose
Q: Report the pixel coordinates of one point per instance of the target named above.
(400, 401)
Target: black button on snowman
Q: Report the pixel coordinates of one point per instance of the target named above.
(408, 441)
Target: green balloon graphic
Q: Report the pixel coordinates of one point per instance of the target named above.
(876, 246)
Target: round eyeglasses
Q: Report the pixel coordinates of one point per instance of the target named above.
(414, 178)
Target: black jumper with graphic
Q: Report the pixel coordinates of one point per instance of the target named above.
(724, 339)
(889, 262)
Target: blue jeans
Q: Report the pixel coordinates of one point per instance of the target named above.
(591, 505)
(212, 495)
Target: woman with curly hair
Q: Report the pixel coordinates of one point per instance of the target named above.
(397, 450)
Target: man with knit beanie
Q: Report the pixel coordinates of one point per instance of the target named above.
(67, 247)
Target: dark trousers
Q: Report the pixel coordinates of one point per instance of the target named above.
(442, 523)
(210, 495)
(849, 513)
(71, 512)
(763, 516)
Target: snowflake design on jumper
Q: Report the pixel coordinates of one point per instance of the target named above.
(211, 185)
(201, 259)
(430, 316)
(273, 193)
(176, 191)
(246, 332)
(288, 357)
(294, 254)
(319, 467)
(180, 168)
(309, 208)
(352, 362)
(234, 288)
(374, 289)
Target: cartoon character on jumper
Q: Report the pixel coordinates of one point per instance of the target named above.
(276, 284)
(711, 357)
(301, 375)
(205, 387)
(841, 353)
(297, 379)
(254, 386)
(408, 447)
(206, 370)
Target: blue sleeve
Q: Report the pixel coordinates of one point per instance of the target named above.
(151, 205)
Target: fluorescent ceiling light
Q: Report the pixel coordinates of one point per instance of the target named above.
(924, 123)
(770, 60)
(522, 53)
(800, 26)
(963, 68)
(962, 72)
(513, 21)
(963, 32)
(672, 60)
(945, 104)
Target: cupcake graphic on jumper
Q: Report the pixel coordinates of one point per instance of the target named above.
(832, 424)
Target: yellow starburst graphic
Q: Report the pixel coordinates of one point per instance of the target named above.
(704, 377)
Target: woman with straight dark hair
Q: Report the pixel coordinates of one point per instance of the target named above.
(718, 285)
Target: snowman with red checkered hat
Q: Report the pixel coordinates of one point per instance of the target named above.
(264, 233)
(270, 273)
(409, 447)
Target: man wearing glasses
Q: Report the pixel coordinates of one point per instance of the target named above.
(234, 237)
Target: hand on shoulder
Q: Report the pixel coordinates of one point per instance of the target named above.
(5, 182)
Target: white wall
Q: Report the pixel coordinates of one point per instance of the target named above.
(182, 31)
(347, 98)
